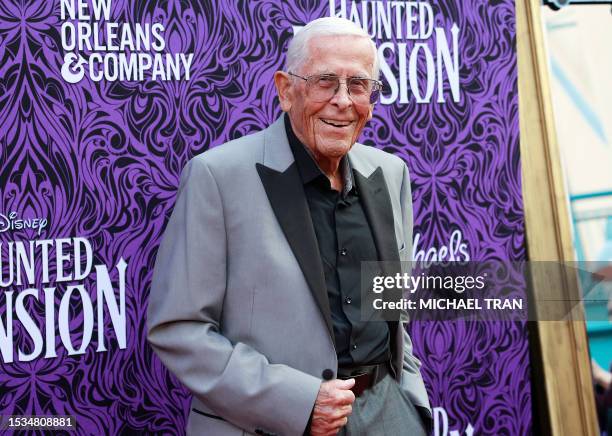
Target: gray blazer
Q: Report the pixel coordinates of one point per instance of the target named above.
(238, 309)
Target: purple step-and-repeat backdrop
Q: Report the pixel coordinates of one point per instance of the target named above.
(103, 102)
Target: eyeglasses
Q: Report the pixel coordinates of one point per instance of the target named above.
(322, 87)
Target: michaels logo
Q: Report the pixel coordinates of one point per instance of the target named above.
(116, 51)
(12, 222)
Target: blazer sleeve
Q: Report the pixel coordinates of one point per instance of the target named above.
(411, 380)
(184, 321)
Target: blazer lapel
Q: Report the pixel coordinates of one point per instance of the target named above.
(375, 200)
(376, 204)
(286, 195)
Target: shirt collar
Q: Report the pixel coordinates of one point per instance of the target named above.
(308, 168)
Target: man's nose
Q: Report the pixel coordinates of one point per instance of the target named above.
(342, 98)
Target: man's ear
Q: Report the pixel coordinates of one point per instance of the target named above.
(371, 112)
(283, 88)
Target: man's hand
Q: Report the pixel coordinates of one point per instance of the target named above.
(332, 407)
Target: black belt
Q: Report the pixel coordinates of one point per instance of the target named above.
(366, 376)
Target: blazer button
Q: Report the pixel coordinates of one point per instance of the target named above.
(327, 374)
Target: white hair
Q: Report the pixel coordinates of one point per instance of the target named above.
(297, 52)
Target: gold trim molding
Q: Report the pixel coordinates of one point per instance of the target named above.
(563, 399)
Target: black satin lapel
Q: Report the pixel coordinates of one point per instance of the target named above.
(376, 203)
(286, 195)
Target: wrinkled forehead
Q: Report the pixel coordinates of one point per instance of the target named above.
(326, 53)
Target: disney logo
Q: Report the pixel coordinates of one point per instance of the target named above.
(11, 222)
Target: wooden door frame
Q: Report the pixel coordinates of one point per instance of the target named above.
(563, 399)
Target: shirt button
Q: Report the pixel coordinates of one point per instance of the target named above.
(354, 346)
(343, 252)
(348, 300)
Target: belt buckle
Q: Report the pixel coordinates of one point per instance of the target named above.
(359, 371)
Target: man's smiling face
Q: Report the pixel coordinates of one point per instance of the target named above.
(330, 128)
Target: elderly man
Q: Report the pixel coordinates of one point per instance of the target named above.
(255, 297)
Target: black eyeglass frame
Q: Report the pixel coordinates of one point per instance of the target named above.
(377, 85)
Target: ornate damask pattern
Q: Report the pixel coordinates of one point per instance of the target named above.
(102, 160)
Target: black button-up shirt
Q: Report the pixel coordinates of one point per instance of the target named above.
(345, 240)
